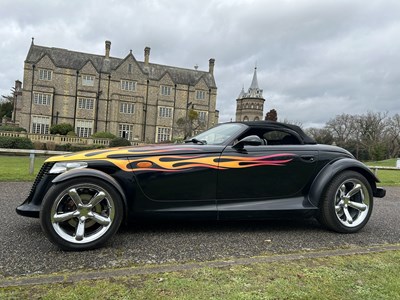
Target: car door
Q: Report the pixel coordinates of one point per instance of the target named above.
(257, 175)
(178, 180)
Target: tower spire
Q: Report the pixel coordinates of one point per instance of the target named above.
(254, 82)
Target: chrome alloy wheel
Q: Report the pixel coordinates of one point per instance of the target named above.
(352, 203)
(82, 213)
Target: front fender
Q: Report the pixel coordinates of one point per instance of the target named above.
(87, 172)
(331, 170)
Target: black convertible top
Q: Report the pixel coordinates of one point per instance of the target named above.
(277, 125)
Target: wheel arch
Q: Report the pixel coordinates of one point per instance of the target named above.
(87, 172)
(319, 184)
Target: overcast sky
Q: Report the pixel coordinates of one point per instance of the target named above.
(315, 58)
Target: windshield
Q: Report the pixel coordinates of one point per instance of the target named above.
(221, 134)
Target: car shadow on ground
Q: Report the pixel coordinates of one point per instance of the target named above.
(239, 226)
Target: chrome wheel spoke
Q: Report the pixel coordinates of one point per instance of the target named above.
(64, 216)
(80, 230)
(356, 189)
(342, 190)
(358, 206)
(349, 219)
(105, 221)
(339, 206)
(75, 197)
(97, 199)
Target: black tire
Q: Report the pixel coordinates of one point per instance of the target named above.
(347, 203)
(81, 213)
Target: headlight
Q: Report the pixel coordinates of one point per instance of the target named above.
(62, 167)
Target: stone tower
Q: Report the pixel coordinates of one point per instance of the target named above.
(250, 105)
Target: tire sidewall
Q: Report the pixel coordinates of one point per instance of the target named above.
(327, 214)
(50, 198)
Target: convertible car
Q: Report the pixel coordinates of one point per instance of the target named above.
(244, 170)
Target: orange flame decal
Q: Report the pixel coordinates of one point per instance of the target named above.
(176, 163)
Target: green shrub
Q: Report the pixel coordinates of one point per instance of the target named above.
(63, 147)
(71, 133)
(39, 145)
(50, 146)
(75, 148)
(62, 128)
(15, 142)
(119, 142)
(103, 135)
(11, 128)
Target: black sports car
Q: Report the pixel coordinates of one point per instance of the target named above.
(235, 170)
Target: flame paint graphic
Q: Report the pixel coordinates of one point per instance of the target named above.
(107, 154)
(176, 163)
(161, 161)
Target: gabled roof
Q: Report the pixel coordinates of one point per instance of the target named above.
(64, 58)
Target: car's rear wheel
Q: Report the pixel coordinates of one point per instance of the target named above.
(81, 213)
(347, 203)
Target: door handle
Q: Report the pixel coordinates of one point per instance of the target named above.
(308, 158)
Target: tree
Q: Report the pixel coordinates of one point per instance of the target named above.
(371, 134)
(191, 123)
(287, 121)
(342, 127)
(321, 135)
(393, 135)
(272, 115)
(6, 106)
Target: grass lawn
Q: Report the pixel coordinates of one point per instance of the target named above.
(383, 163)
(387, 177)
(16, 168)
(364, 276)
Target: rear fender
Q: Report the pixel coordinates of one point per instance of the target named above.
(87, 172)
(331, 170)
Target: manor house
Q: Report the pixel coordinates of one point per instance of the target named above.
(138, 100)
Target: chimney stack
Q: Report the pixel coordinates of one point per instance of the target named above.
(108, 47)
(211, 63)
(18, 87)
(146, 56)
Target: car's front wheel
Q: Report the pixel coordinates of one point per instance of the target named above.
(347, 203)
(81, 213)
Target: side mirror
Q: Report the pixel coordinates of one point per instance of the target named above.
(251, 140)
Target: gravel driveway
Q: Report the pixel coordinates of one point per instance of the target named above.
(25, 250)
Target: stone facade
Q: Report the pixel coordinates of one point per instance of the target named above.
(141, 101)
(250, 105)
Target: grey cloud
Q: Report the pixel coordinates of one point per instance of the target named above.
(315, 58)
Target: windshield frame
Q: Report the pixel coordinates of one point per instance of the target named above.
(240, 128)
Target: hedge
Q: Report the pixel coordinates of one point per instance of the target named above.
(15, 142)
(12, 128)
(75, 148)
(119, 142)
